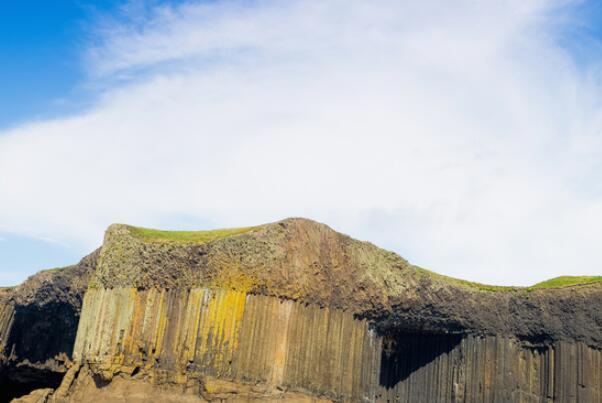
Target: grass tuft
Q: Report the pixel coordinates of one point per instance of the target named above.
(566, 281)
(558, 282)
(52, 270)
(154, 235)
(466, 283)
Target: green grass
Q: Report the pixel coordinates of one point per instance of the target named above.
(558, 282)
(154, 235)
(54, 269)
(466, 283)
(565, 281)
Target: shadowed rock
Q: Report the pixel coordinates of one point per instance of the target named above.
(38, 325)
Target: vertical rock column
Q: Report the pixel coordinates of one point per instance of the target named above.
(491, 369)
(177, 335)
(176, 331)
(7, 313)
(305, 347)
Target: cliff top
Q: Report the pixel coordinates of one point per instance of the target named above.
(155, 235)
(208, 236)
(308, 262)
(305, 261)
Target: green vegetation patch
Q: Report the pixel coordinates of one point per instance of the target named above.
(154, 235)
(558, 282)
(53, 270)
(466, 283)
(565, 281)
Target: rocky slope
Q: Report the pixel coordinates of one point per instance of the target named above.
(294, 310)
(304, 261)
(38, 324)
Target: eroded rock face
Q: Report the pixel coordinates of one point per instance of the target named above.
(38, 325)
(295, 311)
(183, 337)
(305, 261)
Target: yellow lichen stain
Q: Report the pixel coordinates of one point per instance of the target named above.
(219, 328)
(191, 320)
(232, 276)
(136, 327)
(215, 386)
(179, 335)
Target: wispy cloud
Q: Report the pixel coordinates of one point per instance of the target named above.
(461, 135)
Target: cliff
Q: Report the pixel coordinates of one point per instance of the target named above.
(38, 324)
(296, 311)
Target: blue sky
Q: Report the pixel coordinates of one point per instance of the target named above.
(450, 134)
(41, 76)
(41, 42)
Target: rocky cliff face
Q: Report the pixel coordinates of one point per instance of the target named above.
(180, 337)
(38, 324)
(296, 311)
(304, 261)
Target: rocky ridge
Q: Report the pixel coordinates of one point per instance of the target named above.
(301, 260)
(294, 310)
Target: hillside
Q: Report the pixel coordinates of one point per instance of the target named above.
(295, 310)
(302, 260)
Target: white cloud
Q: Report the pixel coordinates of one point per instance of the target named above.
(461, 136)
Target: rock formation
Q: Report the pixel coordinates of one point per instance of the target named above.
(295, 311)
(38, 324)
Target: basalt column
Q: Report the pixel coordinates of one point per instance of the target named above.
(178, 335)
(488, 369)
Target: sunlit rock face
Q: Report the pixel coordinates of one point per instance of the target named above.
(179, 336)
(182, 336)
(294, 311)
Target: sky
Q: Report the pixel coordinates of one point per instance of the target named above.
(465, 136)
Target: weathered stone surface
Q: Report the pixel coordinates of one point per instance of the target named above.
(182, 336)
(295, 311)
(178, 336)
(305, 261)
(489, 369)
(123, 389)
(38, 324)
